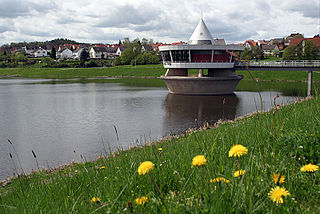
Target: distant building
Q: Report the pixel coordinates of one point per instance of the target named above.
(40, 52)
(28, 51)
(119, 50)
(249, 44)
(146, 48)
(301, 42)
(102, 52)
(64, 53)
(156, 46)
(270, 50)
(76, 53)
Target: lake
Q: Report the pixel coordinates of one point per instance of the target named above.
(81, 121)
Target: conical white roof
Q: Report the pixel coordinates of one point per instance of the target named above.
(201, 35)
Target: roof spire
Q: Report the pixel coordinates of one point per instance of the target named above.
(201, 35)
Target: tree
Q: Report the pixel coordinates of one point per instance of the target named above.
(20, 57)
(291, 53)
(310, 51)
(131, 52)
(53, 53)
(83, 57)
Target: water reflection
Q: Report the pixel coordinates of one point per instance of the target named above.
(183, 112)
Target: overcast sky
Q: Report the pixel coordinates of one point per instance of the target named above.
(106, 21)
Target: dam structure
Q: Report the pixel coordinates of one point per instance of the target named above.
(214, 59)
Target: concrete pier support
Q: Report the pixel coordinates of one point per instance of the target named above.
(177, 72)
(309, 92)
(200, 72)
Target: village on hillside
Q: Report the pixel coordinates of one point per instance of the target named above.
(60, 50)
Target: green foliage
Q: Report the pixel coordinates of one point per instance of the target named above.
(84, 55)
(20, 57)
(53, 53)
(146, 58)
(133, 49)
(253, 53)
(310, 51)
(116, 61)
(292, 53)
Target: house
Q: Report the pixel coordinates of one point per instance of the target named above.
(156, 46)
(249, 44)
(301, 42)
(292, 36)
(76, 53)
(64, 53)
(40, 52)
(261, 42)
(119, 50)
(102, 52)
(146, 48)
(111, 52)
(270, 50)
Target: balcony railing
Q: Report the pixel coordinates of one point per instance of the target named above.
(298, 63)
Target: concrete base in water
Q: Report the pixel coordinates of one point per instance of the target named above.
(201, 85)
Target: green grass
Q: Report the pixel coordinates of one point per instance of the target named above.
(68, 73)
(140, 71)
(281, 141)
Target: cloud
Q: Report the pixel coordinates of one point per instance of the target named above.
(126, 15)
(164, 21)
(16, 8)
(310, 8)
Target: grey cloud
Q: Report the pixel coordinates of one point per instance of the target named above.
(122, 16)
(67, 20)
(16, 8)
(308, 9)
(5, 28)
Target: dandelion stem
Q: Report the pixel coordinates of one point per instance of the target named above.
(157, 186)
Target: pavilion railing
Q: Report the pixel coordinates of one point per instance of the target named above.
(291, 63)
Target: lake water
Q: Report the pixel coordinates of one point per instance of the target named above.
(66, 122)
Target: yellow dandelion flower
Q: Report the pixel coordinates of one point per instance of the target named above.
(309, 168)
(199, 160)
(277, 179)
(219, 179)
(117, 167)
(145, 167)
(141, 200)
(159, 149)
(103, 167)
(276, 194)
(238, 150)
(239, 173)
(95, 200)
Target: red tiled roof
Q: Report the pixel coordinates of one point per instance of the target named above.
(100, 45)
(297, 41)
(177, 43)
(250, 42)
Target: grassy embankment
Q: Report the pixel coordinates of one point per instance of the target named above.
(281, 141)
(151, 71)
